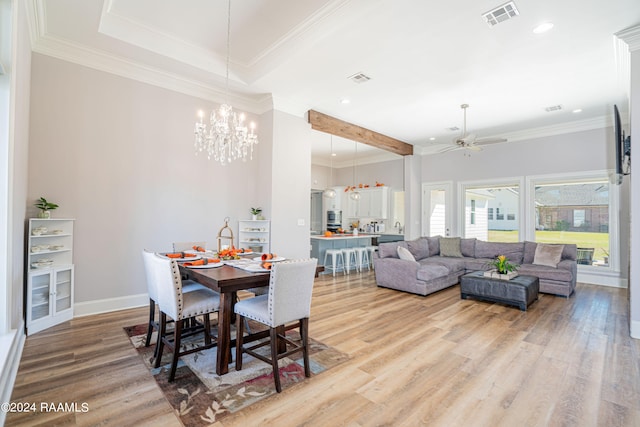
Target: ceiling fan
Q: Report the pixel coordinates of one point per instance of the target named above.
(469, 141)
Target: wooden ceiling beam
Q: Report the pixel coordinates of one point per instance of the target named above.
(337, 127)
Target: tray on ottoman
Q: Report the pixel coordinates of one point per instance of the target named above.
(520, 291)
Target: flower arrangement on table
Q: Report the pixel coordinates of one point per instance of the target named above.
(502, 266)
(233, 253)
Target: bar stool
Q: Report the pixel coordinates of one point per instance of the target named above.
(336, 255)
(349, 254)
(362, 255)
(371, 250)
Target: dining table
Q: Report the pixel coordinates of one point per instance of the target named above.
(228, 280)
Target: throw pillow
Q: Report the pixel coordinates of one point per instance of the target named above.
(403, 253)
(419, 247)
(450, 246)
(548, 255)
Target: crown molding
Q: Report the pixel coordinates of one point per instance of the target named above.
(631, 36)
(151, 39)
(559, 129)
(533, 133)
(78, 54)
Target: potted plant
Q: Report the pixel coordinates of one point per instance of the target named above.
(502, 268)
(255, 212)
(45, 208)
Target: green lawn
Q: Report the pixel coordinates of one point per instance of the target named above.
(598, 241)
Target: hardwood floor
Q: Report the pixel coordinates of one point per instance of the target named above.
(415, 361)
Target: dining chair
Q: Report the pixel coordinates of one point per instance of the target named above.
(187, 246)
(187, 286)
(180, 306)
(288, 300)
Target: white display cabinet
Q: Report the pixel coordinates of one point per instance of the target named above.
(252, 233)
(49, 273)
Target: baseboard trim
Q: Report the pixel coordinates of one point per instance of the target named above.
(635, 329)
(11, 346)
(603, 279)
(107, 305)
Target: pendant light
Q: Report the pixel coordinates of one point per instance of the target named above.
(329, 192)
(355, 194)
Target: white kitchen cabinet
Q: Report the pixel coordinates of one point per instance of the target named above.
(379, 203)
(255, 233)
(373, 203)
(50, 273)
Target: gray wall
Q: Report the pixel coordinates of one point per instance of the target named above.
(118, 156)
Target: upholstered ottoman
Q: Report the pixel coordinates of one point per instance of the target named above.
(520, 291)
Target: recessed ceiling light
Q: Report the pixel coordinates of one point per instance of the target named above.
(344, 101)
(543, 28)
(432, 139)
(333, 154)
(577, 110)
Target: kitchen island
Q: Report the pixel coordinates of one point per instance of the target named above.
(320, 244)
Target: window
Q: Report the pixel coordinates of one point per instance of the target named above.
(578, 217)
(485, 207)
(575, 211)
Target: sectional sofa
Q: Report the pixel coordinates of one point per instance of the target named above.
(421, 268)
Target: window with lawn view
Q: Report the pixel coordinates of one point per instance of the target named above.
(492, 213)
(575, 212)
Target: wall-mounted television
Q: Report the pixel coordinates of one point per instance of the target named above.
(623, 147)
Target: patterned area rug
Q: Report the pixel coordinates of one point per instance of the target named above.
(200, 397)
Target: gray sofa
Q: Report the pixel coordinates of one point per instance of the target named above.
(431, 272)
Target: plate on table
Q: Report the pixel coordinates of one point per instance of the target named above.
(254, 267)
(187, 256)
(210, 265)
(276, 259)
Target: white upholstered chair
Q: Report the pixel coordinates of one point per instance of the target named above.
(288, 300)
(180, 306)
(187, 286)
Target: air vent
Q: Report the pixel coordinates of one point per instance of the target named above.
(453, 128)
(553, 108)
(359, 78)
(501, 14)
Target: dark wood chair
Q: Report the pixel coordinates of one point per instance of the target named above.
(288, 301)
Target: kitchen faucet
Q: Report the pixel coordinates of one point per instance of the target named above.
(398, 226)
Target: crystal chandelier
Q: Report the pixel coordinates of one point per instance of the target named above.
(227, 137)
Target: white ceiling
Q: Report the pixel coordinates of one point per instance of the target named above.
(424, 58)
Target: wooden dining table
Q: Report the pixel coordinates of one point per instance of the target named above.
(226, 280)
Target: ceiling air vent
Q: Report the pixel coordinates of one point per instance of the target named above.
(553, 108)
(501, 14)
(359, 78)
(453, 128)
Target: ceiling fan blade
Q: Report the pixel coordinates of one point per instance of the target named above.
(485, 141)
(473, 147)
(450, 148)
